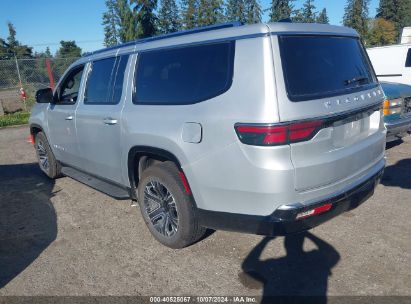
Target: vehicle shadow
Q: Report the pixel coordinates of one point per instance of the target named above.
(398, 174)
(393, 144)
(299, 273)
(27, 218)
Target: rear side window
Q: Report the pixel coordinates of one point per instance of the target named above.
(324, 66)
(105, 81)
(408, 61)
(184, 75)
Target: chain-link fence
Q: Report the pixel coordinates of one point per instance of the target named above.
(31, 75)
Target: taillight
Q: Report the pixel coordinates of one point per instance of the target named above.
(273, 135)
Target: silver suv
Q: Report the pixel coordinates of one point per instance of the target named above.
(268, 129)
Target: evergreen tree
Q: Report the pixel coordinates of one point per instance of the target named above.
(210, 12)
(168, 19)
(13, 46)
(280, 9)
(111, 22)
(48, 53)
(323, 17)
(68, 49)
(356, 16)
(308, 12)
(146, 17)
(298, 16)
(189, 14)
(127, 21)
(4, 52)
(236, 11)
(253, 11)
(396, 11)
(11, 39)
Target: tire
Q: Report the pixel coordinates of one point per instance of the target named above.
(168, 211)
(45, 157)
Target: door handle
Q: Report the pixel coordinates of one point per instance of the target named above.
(110, 121)
(70, 117)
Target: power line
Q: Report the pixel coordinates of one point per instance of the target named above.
(58, 43)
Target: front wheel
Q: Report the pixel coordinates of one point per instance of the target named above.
(168, 211)
(45, 157)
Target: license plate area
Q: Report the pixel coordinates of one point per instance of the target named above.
(348, 130)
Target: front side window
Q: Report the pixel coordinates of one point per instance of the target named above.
(184, 75)
(324, 66)
(105, 81)
(70, 87)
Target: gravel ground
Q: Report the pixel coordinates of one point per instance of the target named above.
(63, 238)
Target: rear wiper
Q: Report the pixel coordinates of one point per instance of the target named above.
(354, 80)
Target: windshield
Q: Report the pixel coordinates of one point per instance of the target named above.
(324, 66)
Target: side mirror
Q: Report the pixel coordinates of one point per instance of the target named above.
(44, 96)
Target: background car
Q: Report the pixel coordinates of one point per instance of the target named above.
(397, 109)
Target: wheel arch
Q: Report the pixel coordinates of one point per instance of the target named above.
(140, 157)
(35, 128)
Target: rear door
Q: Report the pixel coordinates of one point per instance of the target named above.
(329, 80)
(98, 117)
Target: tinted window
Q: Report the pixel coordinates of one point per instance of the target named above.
(184, 75)
(68, 92)
(105, 81)
(408, 61)
(323, 66)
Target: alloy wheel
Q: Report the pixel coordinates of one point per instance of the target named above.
(43, 157)
(161, 208)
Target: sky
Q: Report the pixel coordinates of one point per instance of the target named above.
(42, 23)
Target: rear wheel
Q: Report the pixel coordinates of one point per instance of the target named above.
(47, 162)
(168, 211)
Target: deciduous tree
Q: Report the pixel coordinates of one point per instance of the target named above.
(396, 11)
(68, 49)
(383, 32)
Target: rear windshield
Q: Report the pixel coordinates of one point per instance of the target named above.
(324, 66)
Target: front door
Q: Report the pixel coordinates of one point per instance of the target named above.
(61, 118)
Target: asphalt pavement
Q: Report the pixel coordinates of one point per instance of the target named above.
(63, 238)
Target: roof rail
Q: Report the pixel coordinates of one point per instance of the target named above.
(286, 20)
(171, 35)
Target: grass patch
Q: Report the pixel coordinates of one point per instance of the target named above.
(19, 118)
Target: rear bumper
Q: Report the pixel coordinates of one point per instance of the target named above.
(398, 128)
(283, 220)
